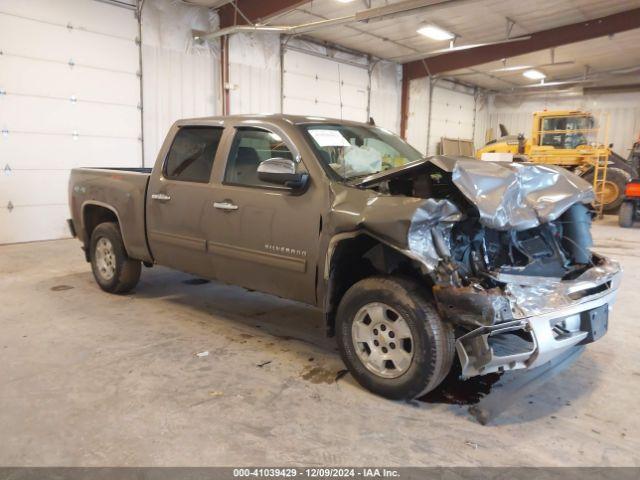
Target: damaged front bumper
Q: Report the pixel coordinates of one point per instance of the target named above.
(547, 319)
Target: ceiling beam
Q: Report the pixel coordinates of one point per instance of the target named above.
(255, 11)
(554, 37)
(629, 87)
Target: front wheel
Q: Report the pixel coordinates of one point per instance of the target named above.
(392, 339)
(112, 268)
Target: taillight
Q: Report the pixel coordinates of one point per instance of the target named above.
(632, 190)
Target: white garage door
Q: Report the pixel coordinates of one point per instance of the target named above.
(69, 96)
(452, 116)
(324, 87)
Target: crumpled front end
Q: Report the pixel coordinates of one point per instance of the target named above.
(536, 322)
(531, 287)
(508, 250)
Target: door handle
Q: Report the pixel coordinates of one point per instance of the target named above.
(162, 197)
(225, 205)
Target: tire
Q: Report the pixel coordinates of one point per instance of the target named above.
(617, 179)
(626, 214)
(386, 300)
(112, 268)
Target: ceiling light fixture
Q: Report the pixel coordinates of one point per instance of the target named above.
(515, 68)
(534, 74)
(435, 33)
(345, 1)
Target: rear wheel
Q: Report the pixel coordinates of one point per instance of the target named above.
(626, 214)
(392, 339)
(613, 188)
(112, 268)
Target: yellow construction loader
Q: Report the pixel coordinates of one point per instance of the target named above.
(573, 140)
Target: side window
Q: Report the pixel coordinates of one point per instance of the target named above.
(191, 155)
(250, 147)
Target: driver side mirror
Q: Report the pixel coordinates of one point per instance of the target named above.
(282, 171)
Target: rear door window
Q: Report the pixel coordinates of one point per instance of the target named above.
(191, 155)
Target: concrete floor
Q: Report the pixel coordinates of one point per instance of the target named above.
(92, 379)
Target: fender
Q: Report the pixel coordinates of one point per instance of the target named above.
(84, 227)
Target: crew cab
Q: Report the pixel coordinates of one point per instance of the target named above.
(417, 263)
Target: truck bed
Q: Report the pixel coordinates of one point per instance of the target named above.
(123, 192)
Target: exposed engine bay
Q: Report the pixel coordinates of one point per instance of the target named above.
(556, 247)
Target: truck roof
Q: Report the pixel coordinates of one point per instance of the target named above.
(277, 117)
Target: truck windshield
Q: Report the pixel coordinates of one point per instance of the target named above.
(355, 150)
(567, 132)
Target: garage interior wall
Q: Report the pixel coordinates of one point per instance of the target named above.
(459, 112)
(325, 84)
(314, 80)
(69, 95)
(69, 80)
(418, 114)
(450, 112)
(181, 78)
(386, 88)
(623, 110)
(254, 73)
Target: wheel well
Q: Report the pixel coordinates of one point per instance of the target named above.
(92, 216)
(354, 259)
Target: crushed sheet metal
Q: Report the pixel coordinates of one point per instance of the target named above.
(508, 196)
(404, 222)
(515, 195)
(430, 224)
(472, 305)
(545, 296)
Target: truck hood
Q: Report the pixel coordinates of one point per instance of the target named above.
(508, 196)
(504, 197)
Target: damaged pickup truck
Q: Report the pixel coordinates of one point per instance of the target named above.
(416, 262)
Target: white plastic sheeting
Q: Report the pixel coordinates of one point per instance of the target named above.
(623, 109)
(69, 98)
(254, 73)
(386, 88)
(418, 114)
(181, 78)
(481, 119)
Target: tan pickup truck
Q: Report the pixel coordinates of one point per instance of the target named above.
(416, 262)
